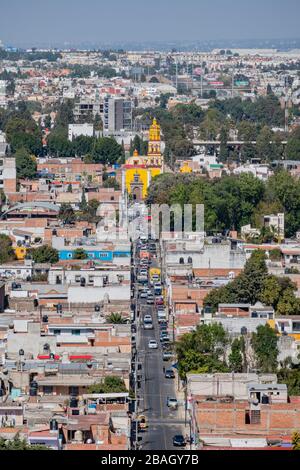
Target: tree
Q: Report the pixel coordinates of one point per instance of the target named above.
(203, 350)
(6, 250)
(19, 444)
(69, 189)
(44, 254)
(116, 319)
(25, 164)
(264, 344)
(66, 214)
(79, 253)
(111, 384)
(107, 151)
(236, 360)
(264, 148)
(223, 147)
(246, 288)
(89, 214)
(290, 377)
(83, 203)
(111, 182)
(296, 440)
(293, 145)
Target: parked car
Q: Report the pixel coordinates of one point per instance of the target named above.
(179, 441)
(169, 374)
(172, 403)
(167, 355)
(152, 344)
(143, 294)
(150, 299)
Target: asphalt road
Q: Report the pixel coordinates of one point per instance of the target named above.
(155, 388)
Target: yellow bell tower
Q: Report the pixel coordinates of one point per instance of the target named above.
(154, 145)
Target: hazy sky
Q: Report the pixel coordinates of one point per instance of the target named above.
(74, 21)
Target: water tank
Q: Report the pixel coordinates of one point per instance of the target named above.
(265, 400)
(53, 425)
(34, 384)
(73, 402)
(45, 318)
(32, 392)
(82, 282)
(97, 308)
(244, 330)
(35, 302)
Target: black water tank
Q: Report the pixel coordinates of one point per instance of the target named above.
(73, 402)
(265, 400)
(32, 392)
(53, 425)
(45, 318)
(34, 384)
(35, 302)
(244, 330)
(97, 308)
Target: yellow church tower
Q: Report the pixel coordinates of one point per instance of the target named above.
(154, 146)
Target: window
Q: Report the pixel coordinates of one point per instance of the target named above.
(181, 261)
(75, 332)
(190, 260)
(56, 332)
(48, 390)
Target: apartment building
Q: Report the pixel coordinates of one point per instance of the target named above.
(117, 114)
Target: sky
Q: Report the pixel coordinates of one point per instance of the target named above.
(37, 22)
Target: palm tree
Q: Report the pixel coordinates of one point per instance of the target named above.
(116, 319)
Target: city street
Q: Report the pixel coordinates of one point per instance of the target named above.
(155, 389)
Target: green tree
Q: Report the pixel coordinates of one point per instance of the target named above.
(203, 350)
(19, 444)
(69, 189)
(25, 164)
(79, 253)
(264, 344)
(236, 359)
(223, 147)
(293, 145)
(66, 214)
(6, 250)
(107, 151)
(111, 182)
(44, 254)
(290, 377)
(83, 203)
(265, 148)
(111, 384)
(116, 319)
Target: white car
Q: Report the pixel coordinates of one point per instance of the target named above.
(152, 344)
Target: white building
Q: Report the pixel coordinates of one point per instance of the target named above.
(76, 130)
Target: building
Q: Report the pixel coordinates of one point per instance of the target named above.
(87, 108)
(138, 171)
(76, 130)
(8, 175)
(117, 114)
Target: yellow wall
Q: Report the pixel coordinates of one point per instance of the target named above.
(143, 175)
